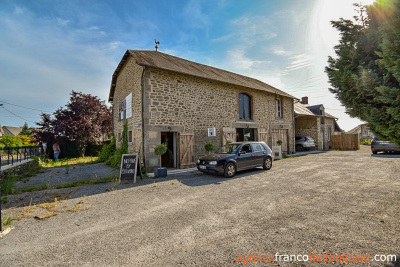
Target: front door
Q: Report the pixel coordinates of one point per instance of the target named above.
(167, 160)
(244, 134)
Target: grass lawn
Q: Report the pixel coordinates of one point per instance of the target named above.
(68, 161)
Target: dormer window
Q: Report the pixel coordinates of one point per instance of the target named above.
(244, 107)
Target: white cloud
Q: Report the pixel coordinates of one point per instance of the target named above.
(52, 60)
(299, 62)
(278, 50)
(62, 22)
(238, 60)
(195, 15)
(18, 10)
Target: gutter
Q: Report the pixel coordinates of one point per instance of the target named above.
(142, 84)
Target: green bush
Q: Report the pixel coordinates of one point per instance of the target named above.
(107, 151)
(115, 159)
(366, 142)
(209, 147)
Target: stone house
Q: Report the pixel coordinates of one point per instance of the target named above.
(363, 131)
(10, 130)
(184, 104)
(313, 121)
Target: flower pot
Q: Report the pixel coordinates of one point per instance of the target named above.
(160, 172)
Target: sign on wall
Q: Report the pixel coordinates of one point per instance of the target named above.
(125, 108)
(212, 132)
(129, 168)
(128, 101)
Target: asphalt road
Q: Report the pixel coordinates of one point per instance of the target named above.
(337, 202)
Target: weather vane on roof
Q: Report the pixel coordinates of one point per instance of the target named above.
(157, 43)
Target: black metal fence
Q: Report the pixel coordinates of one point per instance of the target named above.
(11, 155)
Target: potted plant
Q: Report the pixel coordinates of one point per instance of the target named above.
(277, 149)
(160, 150)
(209, 147)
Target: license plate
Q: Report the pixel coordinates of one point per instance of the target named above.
(203, 167)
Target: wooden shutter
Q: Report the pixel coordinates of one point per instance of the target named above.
(228, 135)
(186, 150)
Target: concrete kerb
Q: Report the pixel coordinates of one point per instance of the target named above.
(175, 171)
(305, 153)
(16, 164)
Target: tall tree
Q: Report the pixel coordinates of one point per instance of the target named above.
(25, 130)
(84, 120)
(365, 75)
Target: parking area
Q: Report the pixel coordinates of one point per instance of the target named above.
(336, 202)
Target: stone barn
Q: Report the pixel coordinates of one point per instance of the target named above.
(313, 121)
(184, 104)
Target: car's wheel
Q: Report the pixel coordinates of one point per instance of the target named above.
(299, 148)
(230, 170)
(267, 163)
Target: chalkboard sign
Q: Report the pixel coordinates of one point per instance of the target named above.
(129, 168)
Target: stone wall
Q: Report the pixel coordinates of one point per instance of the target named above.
(180, 103)
(329, 127)
(129, 81)
(17, 168)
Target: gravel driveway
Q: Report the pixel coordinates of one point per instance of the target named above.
(337, 202)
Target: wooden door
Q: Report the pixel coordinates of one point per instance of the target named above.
(228, 135)
(186, 150)
(263, 135)
(281, 134)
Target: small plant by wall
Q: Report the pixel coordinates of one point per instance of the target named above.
(209, 147)
(279, 142)
(160, 150)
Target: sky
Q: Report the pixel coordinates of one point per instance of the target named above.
(49, 48)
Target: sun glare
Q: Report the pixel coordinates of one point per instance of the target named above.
(367, 2)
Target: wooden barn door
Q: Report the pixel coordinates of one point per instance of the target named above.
(263, 135)
(281, 134)
(228, 135)
(186, 150)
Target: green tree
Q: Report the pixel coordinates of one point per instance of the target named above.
(25, 130)
(10, 141)
(365, 75)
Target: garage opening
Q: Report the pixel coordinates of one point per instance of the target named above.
(244, 134)
(168, 160)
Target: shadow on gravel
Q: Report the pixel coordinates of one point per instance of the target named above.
(195, 178)
(199, 179)
(387, 155)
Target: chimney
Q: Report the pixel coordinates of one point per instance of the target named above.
(304, 100)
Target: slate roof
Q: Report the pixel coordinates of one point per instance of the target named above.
(356, 129)
(10, 130)
(305, 110)
(162, 61)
